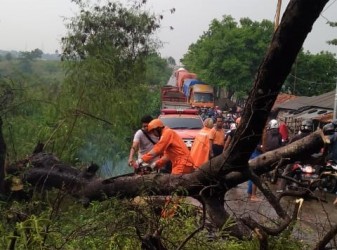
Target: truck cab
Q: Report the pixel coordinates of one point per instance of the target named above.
(201, 95)
(186, 122)
(198, 93)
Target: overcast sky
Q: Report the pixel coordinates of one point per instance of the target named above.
(29, 24)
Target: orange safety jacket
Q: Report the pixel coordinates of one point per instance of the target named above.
(173, 147)
(218, 136)
(201, 147)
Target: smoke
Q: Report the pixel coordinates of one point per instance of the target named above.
(114, 168)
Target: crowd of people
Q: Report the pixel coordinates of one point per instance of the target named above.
(278, 139)
(164, 151)
(159, 146)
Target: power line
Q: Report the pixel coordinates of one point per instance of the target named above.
(328, 6)
(307, 81)
(326, 10)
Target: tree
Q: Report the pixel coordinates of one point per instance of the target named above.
(210, 183)
(36, 53)
(333, 41)
(109, 51)
(229, 53)
(119, 31)
(27, 57)
(30, 56)
(9, 56)
(171, 61)
(312, 74)
(157, 70)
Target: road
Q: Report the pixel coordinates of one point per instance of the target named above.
(314, 217)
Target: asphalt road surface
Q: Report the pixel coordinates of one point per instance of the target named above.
(313, 221)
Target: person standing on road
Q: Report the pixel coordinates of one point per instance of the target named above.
(217, 138)
(229, 135)
(201, 146)
(171, 146)
(252, 188)
(307, 127)
(143, 141)
(283, 129)
(329, 131)
(273, 138)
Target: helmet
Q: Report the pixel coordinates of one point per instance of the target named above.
(328, 129)
(307, 125)
(155, 123)
(232, 126)
(273, 124)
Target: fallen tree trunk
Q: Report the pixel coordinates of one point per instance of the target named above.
(47, 171)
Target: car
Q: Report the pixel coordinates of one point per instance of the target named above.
(186, 122)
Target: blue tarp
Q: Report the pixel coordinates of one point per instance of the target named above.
(188, 83)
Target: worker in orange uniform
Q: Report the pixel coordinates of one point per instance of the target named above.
(201, 146)
(217, 137)
(171, 146)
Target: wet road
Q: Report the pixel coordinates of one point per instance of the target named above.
(314, 218)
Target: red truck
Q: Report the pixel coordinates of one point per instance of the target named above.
(172, 98)
(181, 76)
(198, 94)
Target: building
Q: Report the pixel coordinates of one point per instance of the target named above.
(294, 109)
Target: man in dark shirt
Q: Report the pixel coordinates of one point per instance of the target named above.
(273, 138)
(305, 129)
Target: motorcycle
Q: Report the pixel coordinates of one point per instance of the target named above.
(303, 176)
(203, 113)
(328, 177)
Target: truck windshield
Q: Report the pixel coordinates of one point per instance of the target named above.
(203, 97)
(182, 122)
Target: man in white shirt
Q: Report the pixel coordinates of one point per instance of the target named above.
(143, 141)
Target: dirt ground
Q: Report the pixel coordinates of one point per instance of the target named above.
(314, 218)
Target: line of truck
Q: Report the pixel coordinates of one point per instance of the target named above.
(187, 91)
(181, 101)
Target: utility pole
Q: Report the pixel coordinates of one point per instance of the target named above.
(277, 15)
(335, 106)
